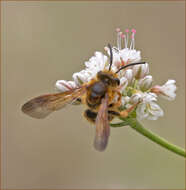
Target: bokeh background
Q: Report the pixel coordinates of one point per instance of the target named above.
(46, 41)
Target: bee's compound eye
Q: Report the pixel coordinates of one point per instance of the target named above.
(117, 81)
(106, 80)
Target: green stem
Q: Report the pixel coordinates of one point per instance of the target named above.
(122, 124)
(134, 124)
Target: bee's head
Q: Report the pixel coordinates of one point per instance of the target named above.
(108, 78)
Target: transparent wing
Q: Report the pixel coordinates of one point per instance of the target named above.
(42, 106)
(102, 126)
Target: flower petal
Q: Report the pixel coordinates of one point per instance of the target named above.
(63, 85)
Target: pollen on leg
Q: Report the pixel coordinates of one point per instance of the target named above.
(124, 113)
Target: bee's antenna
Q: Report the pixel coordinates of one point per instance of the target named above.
(131, 64)
(111, 56)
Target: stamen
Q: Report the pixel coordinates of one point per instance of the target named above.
(133, 31)
(133, 34)
(127, 38)
(120, 34)
(132, 44)
(117, 29)
(118, 38)
(127, 30)
(106, 48)
(123, 36)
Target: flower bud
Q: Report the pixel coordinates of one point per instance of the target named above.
(145, 83)
(79, 78)
(140, 71)
(129, 75)
(135, 98)
(123, 83)
(125, 100)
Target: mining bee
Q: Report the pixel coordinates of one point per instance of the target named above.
(98, 95)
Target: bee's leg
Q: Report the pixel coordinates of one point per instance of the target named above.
(112, 114)
(90, 115)
(78, 101)
(118, 103)
(126, 112)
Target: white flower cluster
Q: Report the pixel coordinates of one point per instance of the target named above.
(135, 83)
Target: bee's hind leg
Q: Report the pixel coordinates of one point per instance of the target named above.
(78, 101)
(126, 112)
(90, 115)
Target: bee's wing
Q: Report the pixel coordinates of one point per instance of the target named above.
(42, 106)
(102, 126)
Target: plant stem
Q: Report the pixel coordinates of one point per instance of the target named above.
(122, 124)
(134, 124)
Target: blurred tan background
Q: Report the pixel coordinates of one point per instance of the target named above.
(47, 41)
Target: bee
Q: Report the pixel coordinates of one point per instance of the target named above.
(99, 97)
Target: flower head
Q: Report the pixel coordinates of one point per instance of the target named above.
(135, 86)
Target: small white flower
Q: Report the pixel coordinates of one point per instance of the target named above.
(140, 71)
(63, 85)
(149, 97)
(148, 109)
(167, 90)
(130, 55)
(129, 75)
(97, 62)
(135, 98)
(123, 84)
(125, 100)
(116, 56)
(82, 77)
(145, 83)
